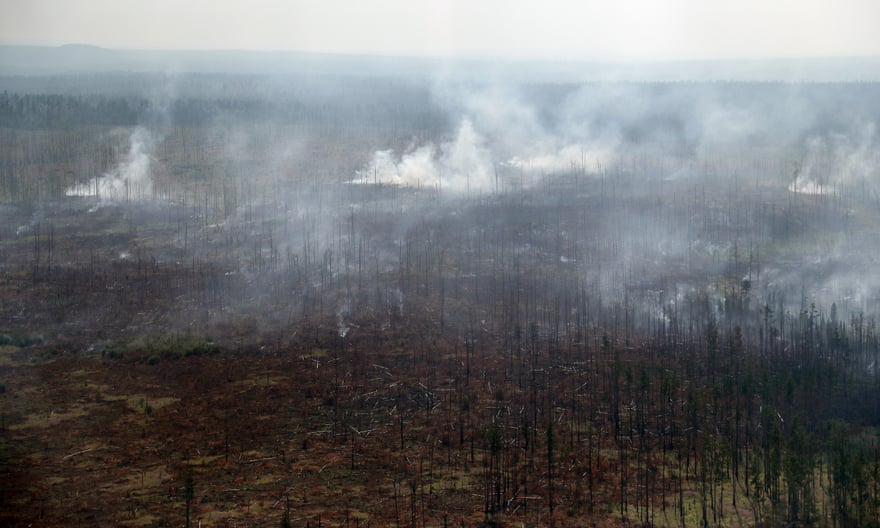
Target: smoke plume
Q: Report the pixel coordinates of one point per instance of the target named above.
(462, 164)
(838, 163)
(130, 180)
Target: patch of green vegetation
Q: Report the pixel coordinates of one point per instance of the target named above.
(142, 520)
(315, 353)
(21, 340)
(151, 349)
(143, 404)
(454, 481)
(194, 346)
(723, 514)
(6, 353)
(52, 417)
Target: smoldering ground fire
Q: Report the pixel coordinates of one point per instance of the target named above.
(527, 303)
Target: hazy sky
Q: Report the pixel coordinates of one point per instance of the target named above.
(602, 29)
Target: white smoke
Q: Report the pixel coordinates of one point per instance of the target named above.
(463, 164)
(839, 163)
(510, 132)
(568, 158)
(130, 180)
(519, 135)
(341, 314)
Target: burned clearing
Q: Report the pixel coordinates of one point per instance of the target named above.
(420, 305)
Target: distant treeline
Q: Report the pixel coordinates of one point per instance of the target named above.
(48, 112)
(64, 111)
(686, 113)
(137, 99)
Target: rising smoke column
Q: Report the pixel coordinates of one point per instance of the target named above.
(839, 162)
(525, 140)
(462, 164)
(130, 180)
(500, 130)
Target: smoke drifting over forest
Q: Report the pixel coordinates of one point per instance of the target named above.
(461, 164)
(129, 180)
(596, 125)
(643, 193)
(651, 281)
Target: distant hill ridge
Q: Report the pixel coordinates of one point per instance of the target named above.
(79, 58)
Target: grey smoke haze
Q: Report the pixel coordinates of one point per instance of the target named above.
(506, 132)
(667, 183)
(460, 164)
(721, 136)
(632, 29)
(840, 163)
(130, 180)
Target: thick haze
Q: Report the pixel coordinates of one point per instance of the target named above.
(650, 225)
(626, 30)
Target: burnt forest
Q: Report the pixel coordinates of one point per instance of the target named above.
(342, 297)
